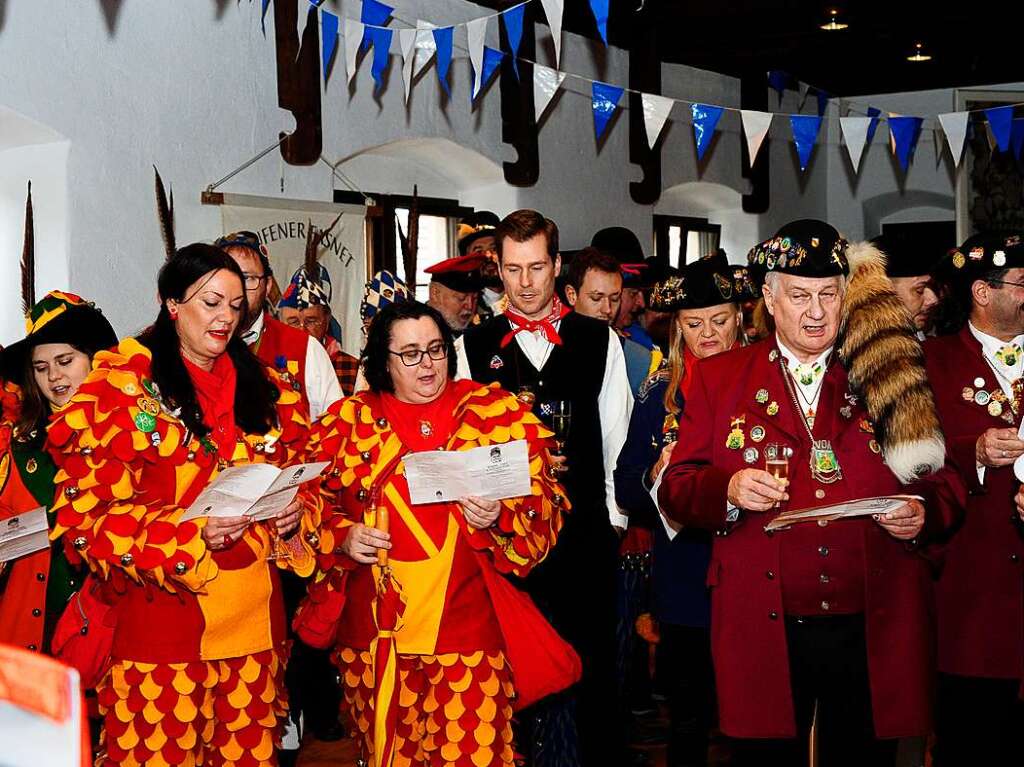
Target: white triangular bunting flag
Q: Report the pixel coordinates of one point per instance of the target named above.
(353, 39)
(855, 133)
(546, 82)
(656, 110)
(407, 42)
(426, 46)
(553, 9)
(755, 126)
(476, 30)
(954, 124)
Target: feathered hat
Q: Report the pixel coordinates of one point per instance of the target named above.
(877, 341)
(310, 285)
(165, 214)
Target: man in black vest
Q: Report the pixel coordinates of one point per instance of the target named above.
(546, 354)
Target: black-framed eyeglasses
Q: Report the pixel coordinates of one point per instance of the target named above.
(413, 357)
(252, 281)
(1006, 282)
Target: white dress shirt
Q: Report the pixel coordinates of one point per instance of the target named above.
(321, 382)
(1004, 375)
(614, 402)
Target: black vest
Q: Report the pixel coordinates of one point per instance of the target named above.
(574, 371)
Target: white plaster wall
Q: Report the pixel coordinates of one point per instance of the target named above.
(191, 86)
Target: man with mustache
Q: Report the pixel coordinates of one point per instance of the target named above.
(455, 285)
(977, 376)
(546, 354)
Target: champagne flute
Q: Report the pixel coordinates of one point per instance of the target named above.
(561, 418)
(776, 463)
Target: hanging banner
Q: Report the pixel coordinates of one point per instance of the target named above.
(426, 48)
(656, 111)
(443, 38)
(600, 10)
(281, 226)
(554, 9)
(407, 44)
(1000, 120)
(905, 133)
(476, 30)
(604, 100)
(353, 36)
(492, 60)
(805, 135)
(373, 14)
(755, 127)
(381, 39)
(546, 81)
(954, 124)
(513, 20)
(855, 134)
(705, 118)
(873, 114)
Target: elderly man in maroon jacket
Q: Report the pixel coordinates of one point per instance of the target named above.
(978, 374)
(834, 616)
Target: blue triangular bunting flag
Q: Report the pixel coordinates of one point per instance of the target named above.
(513, 19)
(805, 134)
(777, 81)
(823, 98)
(491, 62)
(375, 14)
(905, 133)
(600, 11)
(443, 41)
(705, 118)
(605, 99)
(328, 40)
(1017, 136)
(873, 113)
(1000, 120)
(381, 39)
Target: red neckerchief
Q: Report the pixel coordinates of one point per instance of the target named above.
(422, 426)
(546, 324)
(215, 393)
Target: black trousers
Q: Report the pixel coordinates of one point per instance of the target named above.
(828, 667)
(979, 722)
(685, 654)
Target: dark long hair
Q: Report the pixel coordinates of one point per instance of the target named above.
(255, 394)
(376, 353)
(35, 408)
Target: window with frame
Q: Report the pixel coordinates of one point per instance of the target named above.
(681, 240)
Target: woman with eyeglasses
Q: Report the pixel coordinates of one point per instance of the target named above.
(705, 302)
(199, 647)
(437, 684)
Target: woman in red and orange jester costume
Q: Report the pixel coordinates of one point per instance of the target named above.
(199, 645)
(423, 643)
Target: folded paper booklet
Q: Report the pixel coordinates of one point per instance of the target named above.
(259, 490)
(493, 472)
(23, 534)
(860, 507)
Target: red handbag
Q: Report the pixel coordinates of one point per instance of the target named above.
(316, 620)
(84, 634)
(542, 662)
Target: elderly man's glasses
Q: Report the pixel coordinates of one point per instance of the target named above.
(413, 357)
(1007, 282)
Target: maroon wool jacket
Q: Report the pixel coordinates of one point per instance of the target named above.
(746, 575)
(980, 594)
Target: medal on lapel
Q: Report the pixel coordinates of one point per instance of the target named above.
(735, 440)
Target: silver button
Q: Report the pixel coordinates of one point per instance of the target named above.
(823, 550)
(819, 493)
(825, 606)
(824, 578)
(822, 523)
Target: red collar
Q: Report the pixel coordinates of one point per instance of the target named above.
(422, 426)
(545, 324)
(215, 393)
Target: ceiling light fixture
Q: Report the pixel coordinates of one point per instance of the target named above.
(918, 55)
(834, 24)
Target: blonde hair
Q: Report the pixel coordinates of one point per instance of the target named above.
(676, 367)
